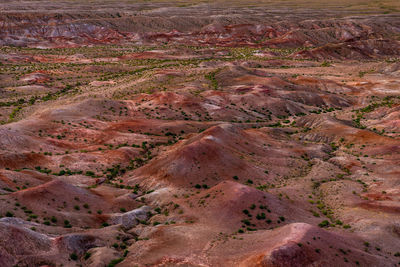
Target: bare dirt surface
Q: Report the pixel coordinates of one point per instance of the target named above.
(200, 134)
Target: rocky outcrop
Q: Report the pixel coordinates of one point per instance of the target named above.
(131, 218)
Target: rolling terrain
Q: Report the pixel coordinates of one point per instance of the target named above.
(199, 134)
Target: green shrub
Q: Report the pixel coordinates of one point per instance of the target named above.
(9, 214)
(324, 224)
(87, 255)
(260, 216)
(115, 262)
(73, 256)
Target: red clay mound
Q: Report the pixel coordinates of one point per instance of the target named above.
(17, 240)
(301, 244)
(64, 201)
(207, 157)
(231, 205)
(364, 49)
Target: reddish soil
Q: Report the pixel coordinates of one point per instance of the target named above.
(192, 134)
